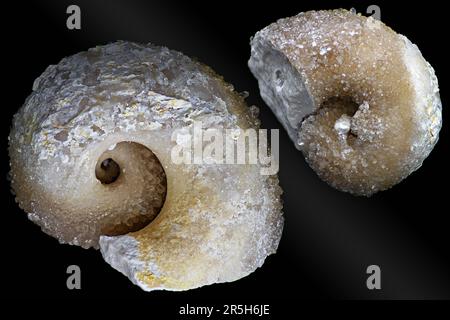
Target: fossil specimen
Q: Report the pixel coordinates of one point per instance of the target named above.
(356, 98)
(91, 164)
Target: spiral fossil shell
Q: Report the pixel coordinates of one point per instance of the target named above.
(356, 98)
(90, 164)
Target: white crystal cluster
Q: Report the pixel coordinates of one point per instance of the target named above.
(356, 98)
(116, 106)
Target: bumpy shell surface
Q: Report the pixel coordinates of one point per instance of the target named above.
(356, 98)
(122, 101)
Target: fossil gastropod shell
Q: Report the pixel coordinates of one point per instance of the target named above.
(91, 164)
(356, 98)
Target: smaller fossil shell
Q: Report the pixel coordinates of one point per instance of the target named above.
(356, 98)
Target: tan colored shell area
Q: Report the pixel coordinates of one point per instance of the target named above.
(358, 67)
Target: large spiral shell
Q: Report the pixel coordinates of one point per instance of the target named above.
(91, 163)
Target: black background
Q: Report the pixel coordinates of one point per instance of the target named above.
(329, 238)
